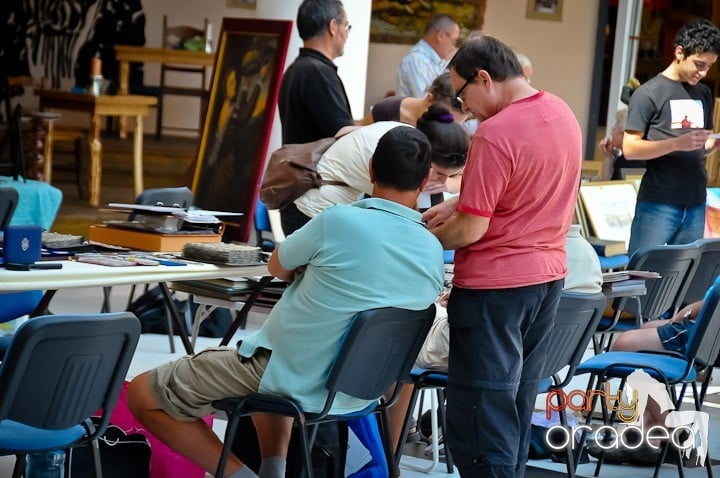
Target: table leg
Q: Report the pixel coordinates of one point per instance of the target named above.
(138, 155)
(242, 315)
(95, 161)
(47, 164)
(124, 88)
(175, 316)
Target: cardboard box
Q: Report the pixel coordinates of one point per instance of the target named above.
(146, 241)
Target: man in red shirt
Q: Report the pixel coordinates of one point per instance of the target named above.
(508, 228)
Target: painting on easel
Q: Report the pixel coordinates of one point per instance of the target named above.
(236, 132)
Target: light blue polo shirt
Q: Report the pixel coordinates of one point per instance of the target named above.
(369, 254)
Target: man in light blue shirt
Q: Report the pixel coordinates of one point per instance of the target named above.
(428, 58)
(370, 254)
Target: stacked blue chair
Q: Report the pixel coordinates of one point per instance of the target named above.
(667, 368)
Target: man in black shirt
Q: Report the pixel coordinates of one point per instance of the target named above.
(313, 103)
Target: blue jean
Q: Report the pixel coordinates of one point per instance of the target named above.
(498, 342)
(655, 224)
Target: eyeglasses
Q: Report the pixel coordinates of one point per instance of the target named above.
(448, 176)
(348, 27)
(458, 100)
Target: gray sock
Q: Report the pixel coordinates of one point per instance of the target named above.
(243, 472)
(272, 467)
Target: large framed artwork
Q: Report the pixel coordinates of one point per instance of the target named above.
(400, 21)
(245, 83)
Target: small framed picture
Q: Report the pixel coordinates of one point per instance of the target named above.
(544, 9)
(249, 4)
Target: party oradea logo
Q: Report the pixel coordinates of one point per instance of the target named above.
(686, 429)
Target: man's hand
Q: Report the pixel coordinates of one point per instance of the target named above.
(434, 187)
(693, 140)
(437, 215)
(605, 145)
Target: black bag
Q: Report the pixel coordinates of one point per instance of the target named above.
(328, 452)
(122, 455)
(292, 171)
(151, 311)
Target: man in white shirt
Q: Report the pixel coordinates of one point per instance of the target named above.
(428, 58)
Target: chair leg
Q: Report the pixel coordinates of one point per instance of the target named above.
(392, 469)
(230, 432)
(95, 446)
(158, 118)
(19, 468)
(305, 443)
(443, 426)
(406, 423)
(105, 308)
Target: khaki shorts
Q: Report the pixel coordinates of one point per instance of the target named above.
(186, 388)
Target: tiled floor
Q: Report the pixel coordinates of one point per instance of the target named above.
(154, 350)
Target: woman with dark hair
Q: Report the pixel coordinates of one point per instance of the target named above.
(348, 161)
(408, 109)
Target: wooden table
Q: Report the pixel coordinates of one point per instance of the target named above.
(97, 107)
(127, 53)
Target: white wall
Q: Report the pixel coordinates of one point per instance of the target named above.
(561, 52)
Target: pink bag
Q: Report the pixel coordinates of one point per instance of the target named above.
(164, 461)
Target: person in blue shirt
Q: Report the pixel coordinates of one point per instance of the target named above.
(373, 253)
(428, 58)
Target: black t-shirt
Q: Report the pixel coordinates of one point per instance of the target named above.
(387, 109)
(313, 103)
(660, 109)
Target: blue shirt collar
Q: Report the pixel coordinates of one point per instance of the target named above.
(391, 207)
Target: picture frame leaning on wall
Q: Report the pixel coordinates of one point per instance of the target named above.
(249, 64)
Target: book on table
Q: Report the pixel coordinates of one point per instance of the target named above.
(625, 280)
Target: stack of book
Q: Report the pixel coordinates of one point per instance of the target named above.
(627, 280)
(157, 228)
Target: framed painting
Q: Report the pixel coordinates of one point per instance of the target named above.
(236, 130)
(250, 4)
(609, 207)
(400, 21)
(544, 9)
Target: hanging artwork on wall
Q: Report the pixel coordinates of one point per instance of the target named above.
(544, 9)
(402, 21)
(251, 4)
(236, 131)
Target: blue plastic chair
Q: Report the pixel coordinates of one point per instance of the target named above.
(668, 368)
(57, 373)
(676, 265)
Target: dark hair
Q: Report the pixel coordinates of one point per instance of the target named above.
(441, 88)
(448, 139)
(314, 16)
(439, 23)
(402, 159)
(699, 36)
(489, 54)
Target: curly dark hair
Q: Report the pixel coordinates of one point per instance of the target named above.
(698, 36)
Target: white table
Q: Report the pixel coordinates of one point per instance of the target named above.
(79, 274)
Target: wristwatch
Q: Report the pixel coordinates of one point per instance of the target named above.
(688, 314)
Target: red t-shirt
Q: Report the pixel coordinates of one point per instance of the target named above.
(523, 172)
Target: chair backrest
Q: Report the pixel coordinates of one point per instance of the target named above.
(60, 369)
(8, 202)
(174, 36)
(708, 269)
(576, 320)
(378, 351)
(170, 197)
(704, 340)
(676, 265)
(263, 230)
